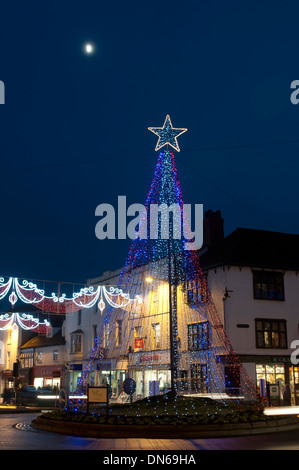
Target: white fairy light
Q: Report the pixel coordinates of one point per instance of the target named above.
(167, 134)
(87, 297)
(13, 319)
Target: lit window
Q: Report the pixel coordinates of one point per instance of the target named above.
(156, 336)
(76, 343)
(198, 336)
(106, 335)
(271, 334)
(39, 358)
(118, 333)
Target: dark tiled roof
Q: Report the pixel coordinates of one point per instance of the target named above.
(254, 248)
(77, 332)
(43, 341)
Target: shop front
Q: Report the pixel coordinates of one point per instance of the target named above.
(74, 375)
(106, 376)
(47, 377)
(279, 370)
(112, 373)
(294, 384)
(151, 372)
(270, 373)
(151, 382)
(7, 385)
(118, 374)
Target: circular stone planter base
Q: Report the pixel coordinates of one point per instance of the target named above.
(182, 431)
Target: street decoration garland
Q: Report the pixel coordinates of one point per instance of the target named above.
(24, 320)
(29, 293)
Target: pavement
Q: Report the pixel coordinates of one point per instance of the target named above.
(13, 422)
(20, 409)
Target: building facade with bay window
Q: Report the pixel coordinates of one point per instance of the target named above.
(253, 278)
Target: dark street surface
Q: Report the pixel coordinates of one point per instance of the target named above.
(17, 434)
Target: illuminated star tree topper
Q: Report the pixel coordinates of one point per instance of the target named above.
(167, 134)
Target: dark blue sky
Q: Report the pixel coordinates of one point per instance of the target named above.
(73, 131)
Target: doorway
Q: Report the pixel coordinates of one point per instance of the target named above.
(294, 384)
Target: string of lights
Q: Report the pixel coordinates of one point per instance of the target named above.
(175, 339)
(87, 297)
(25, 321)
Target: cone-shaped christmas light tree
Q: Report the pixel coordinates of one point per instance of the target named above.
(175, 339)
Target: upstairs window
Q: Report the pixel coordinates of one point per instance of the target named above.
(195, 292)
(95, 335)
(268, 285)
(39, 358)
(198, 336)
(106, 335)
(156, 336)
(271, 334)
(76, 343)
(118, 333)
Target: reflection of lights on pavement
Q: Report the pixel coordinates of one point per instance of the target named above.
(282, 410)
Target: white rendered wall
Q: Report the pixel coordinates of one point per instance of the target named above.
(241, 308)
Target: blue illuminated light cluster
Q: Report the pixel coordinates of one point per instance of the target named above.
(200, 346)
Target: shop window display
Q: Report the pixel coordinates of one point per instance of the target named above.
(271, 373)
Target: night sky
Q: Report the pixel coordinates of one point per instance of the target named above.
(74, 128)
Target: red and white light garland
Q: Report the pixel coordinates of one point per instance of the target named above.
(25, 320)
(29, 293)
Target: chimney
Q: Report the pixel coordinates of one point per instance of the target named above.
(213, 231)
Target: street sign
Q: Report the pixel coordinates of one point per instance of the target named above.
(274, 390)
(98, 394)
(138, 343)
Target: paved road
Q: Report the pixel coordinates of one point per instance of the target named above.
(16, 434)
